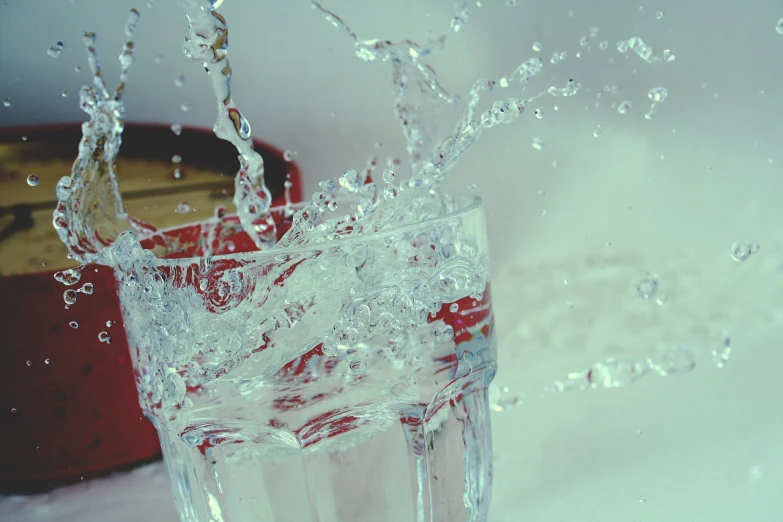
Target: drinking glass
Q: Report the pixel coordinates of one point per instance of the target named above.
(341, 380)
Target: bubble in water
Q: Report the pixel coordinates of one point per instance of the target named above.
(55, 50)
(647, 287)
(743, 250)
(32, 180)
(69, 296)
(537, 46)
(358, 367)
(179, 81)
(182, 208)
(6, 102)
(176, 158)
(74, 325)
(104, 337)
(289, 155)
(444, 334)
(538, 143)
(658, 94)
(176, 128)
(779, 26)
(625, 107)
(68, 277)
(454, 308)
(720, 354)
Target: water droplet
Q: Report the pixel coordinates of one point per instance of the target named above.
(329, 348)
(87, 288)
(176, 128)
(538, 143)
(6, 102)
(720, 354)
(77, 68)
(29, 363)
(659, 15)
(604, 45)
(109, 323)
(647, 287)
(454, 308)
(625, 107)
(74, 325)
(185, 107)
(176, 158)
(642, 9)
(179, 81)
(597, 131)
(539, 113)
(46, 361)
(104, 337)
(642, 500)
(55, 50)
(177, 174)
(743, 250)
(537, 46)
(13, 410)
(779, 26)
(69, 296)
(658, 94)
(583, 41)
(182, 208)
(159, 58)
(593, 32)
(511, 3)
(668, 56)
(289, 155)
(32, 180)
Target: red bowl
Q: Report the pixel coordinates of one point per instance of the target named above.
(68, 401)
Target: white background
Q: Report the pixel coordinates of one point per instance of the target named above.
(667, 195)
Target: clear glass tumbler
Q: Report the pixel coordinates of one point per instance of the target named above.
(340, 381)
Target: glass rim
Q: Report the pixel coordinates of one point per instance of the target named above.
(473, 202)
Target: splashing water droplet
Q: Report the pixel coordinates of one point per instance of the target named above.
(74, 325)
(6, 102)
(69, 296)
(647, 287)
(104, 337)
(176, 128)
(722, 352)
(32, 180)
(658, 94)
(742, 250)
(55, 50)
(87, 289)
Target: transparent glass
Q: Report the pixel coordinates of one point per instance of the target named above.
(343, 381)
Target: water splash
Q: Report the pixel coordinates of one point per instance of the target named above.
(207, 42)
(89, 213)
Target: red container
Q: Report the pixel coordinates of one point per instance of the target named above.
(68, 403)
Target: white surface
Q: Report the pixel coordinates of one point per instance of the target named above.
(669, 196)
